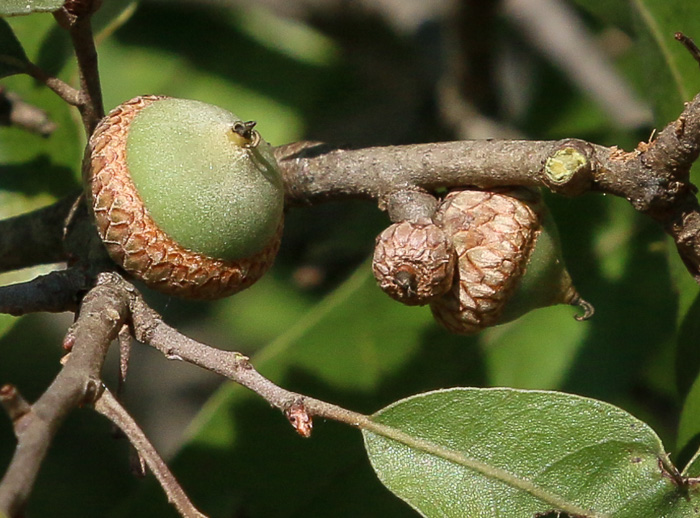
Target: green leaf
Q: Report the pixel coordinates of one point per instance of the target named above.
(57, 49)
(671, 73)
(536, 351)
(6, 322)
(614, 12)
(20, 7)
(688, 442)
(687, 353)
(13, 60)
(513, 453)
(35, 163)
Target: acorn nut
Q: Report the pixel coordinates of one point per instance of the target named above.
(509, 260)
(186, 196)
(413, 262)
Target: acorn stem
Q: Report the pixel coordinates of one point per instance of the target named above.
(588, 308)
(250, 136)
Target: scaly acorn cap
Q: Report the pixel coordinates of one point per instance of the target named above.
(509, 261)
(186, 197)
(413, 262)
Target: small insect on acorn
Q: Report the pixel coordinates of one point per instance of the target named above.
(186, 196)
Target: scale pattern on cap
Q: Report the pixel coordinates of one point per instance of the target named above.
(493, 234)
(131, 236)
(413, 262)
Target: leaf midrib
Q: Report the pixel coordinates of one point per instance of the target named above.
(483, 468)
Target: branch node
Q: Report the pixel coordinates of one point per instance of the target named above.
(170, 355)
(14, 404)
(568, 170)
(412, 205)
(69, 340)
(82, 7)
(241, 361)
(300, 418)
(92, 391)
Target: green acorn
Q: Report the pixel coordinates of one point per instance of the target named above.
(186, 196)
(509, 259)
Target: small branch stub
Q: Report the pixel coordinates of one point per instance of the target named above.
(13, 403)
(300, 419)
(412, 205)
(689, 44)
(567, 171)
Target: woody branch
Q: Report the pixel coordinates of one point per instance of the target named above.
(654, 178)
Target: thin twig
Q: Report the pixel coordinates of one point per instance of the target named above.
(108, 406)
(299, 409)
(150, 329)
(690, 45)
(103, 312)
(654, 178)
(84, 44)
(35, 237)
(14, 111)
(14, 404)
(58, 86)
(55, 292)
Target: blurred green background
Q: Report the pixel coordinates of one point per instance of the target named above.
(374, 72)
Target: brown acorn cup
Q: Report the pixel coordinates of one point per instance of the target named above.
(413, 262)
(493, 234)
(131, 236)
